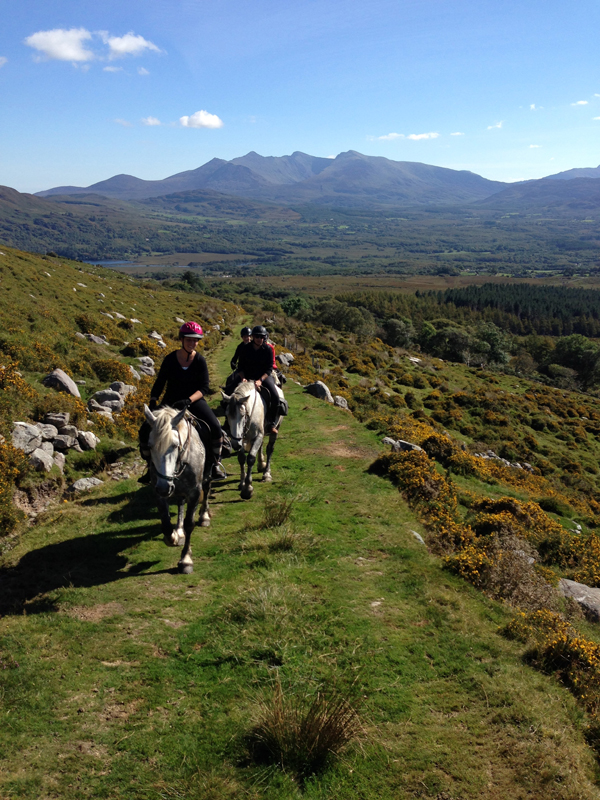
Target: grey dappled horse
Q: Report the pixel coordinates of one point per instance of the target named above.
(178, 461)
(246, 411)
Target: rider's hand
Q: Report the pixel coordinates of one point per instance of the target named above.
(258, 383)
(180, 404)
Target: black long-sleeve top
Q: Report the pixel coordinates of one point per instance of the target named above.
(235, 361)
(255, 363)
(181, 383)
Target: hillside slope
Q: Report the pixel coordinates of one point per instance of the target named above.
(123, 678)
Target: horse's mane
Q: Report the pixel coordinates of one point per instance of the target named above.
(162, 427)
(243, 390)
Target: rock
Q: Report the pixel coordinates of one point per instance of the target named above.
(105, 413)
(48, 431)
(418, 537)
(147, 370)
(41, 460)
(400, 446)
(83, 484)
(68, 430)
(87, 440)
(59, 460)
(179, 320)
(80, 383)
(119, 316)
(26, 437)
(283, 360)
(146, 361)
(105, 396)
(135, 374)
(106, 314)
(340, 401)
(136, 321)
(61, 381)
(216, 327)
(388, 440)
(587, 597)
(155, 335)
(161, 344)
(79, 335)
(57, 418)
(47, 447)
(289, 357)
(414, 359)
(318, 389)
(95, 339)
(94, 406)
(122, 388)
(64, 442)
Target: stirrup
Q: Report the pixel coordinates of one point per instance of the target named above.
(218, 472)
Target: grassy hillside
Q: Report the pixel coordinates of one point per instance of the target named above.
(123, 679)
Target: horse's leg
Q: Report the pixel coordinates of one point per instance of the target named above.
(262, 462)
(165, 521)
(247, 490)
(241, 462)
(270, 447)
(178, 535)
(186, 565)
(204, 510)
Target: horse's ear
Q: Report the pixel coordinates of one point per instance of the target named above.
(150, 418)
(226, 397)
(177, 419)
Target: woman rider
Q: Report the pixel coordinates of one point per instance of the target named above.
(185, 374)
(246, 334)
(256, 364)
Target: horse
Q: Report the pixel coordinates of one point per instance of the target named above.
(178, 461)
(246, 410)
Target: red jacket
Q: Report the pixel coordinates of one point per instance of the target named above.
(273, 349)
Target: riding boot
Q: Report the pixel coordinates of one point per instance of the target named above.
(218, 472)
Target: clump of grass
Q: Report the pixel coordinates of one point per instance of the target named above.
(259, 603)
(301, 735)
(276, 511)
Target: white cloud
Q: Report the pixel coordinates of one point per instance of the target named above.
(201, 119)
(151, 121)
(533, 107)
(124, 123)
(595, 117)
(389, 137)
(3, 60)
(112, 69)
(458, 133)
(534, 146)
(62, 45)
(417, 136)
(580, 103)
(497, 125)
(330, 156)
(143, 71)
(129, 45)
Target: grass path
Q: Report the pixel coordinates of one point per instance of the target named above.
(121, 679)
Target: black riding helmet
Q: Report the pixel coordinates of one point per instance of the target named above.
(260, 330)
(246, 332)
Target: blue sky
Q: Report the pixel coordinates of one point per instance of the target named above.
(510, 90)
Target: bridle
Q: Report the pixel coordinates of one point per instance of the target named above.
(247, 419)
(182, 451)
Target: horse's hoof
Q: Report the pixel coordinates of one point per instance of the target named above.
(267, 478)
(180, 540)
(246, 494)
(205, 523)
(167, 539)
(185, 569)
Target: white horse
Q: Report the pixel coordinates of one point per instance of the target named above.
(177, 466)
(246, 411)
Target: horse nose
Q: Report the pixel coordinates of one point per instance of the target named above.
(235, 443)
(164, 488)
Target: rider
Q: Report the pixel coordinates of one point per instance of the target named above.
(185, 374)
(256, 364)
(246, 334)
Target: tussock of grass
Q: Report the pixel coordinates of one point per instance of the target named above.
(276, 511)
(300, 734)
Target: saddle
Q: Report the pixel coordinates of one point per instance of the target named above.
(204, 433)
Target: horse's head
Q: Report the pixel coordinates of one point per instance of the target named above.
(240, 407)
(165, 444)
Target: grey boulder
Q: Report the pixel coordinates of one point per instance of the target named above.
(122, 388)
(64, 442)
(147, 370)
(318, 389)
(96, 339)
(59, 460)
(87, 440)
(48, 431)
(134, 373)
(587, 597)
(26, 437)
(83, 484)
(68, 430)
(41, 460)
(57, 418)
(340, 401)
(283, 360)
(61, 381)
(146, 361)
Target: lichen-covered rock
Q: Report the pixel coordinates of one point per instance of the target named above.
(41, 460)
(87, 440)
(59, 460)
(283, 359)
(147, 370)
(68, 430)
(340, 401)
(320, 390)
(48, 447)
(83, 484)
(61, 381)
(48, 431)
(57, 418)
(64, 442)
(122, 388)
(586, 596)
(95, 339)
(135, 374)
(26, 437)
(146, 361)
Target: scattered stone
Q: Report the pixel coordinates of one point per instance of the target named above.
(82, 284)
(61, 381)
(418, 537)
(57, 418)
(216, 327)
(122, 388)
(83, 484)
(106, 314)
(414, 359)
(68, 430)
(179, 320)
(119, 316)
(318, 389)
(161, 344)
(155, 335)
(80, 383)
(283, 359)
(79, 335)
(400, 446)
(135, 374)
(340, 401)
(26, 437)
(48, 432)
(105, 396)
(41, 460)
(48, 447)
(105, 412)
(87, 440)
(587, 597)
(59, 460)
(147, 370)
(146, 361)
(96, 339)
(64, 442)
(136, 321)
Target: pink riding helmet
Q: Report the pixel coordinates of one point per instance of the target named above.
(192, 330)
